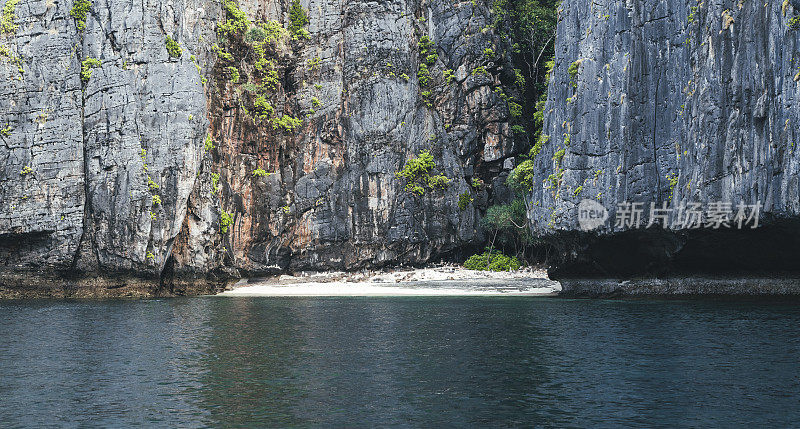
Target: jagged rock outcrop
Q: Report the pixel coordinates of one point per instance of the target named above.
(671, 101)
(120, 181)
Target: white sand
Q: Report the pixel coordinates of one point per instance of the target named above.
(372, 289)
(438, 281)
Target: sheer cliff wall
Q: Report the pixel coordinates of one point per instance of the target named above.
(671, 101)
(158, 173)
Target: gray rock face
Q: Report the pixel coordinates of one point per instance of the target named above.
(110, 177)
(674, 102)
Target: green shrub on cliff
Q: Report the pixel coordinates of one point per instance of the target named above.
(151, 184)
(286, 123)
(426, 46)
(216, 187)
(572, 71)
(173, 48)
(262, 108)
(540, 142)
(208, 144)
(235, 19)
(5, 52)
(417, 175)
(521, 177)
(260, 172)
(270, 31)
(794, 23)
(519, 79)
(86, 68)
(79, 10)
(299, 19)
(225, 220)
(9, 16)
(448, 76)
(426, 98)
(234, 73)
(423, 75)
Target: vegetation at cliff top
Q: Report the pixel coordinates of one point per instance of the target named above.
(417, 175)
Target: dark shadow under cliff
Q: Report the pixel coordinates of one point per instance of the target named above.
(772, 250)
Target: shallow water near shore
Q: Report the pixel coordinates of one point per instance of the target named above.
(422, 361)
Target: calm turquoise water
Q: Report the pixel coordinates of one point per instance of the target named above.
(431, 362)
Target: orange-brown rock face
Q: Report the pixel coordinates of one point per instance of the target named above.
(324, 195)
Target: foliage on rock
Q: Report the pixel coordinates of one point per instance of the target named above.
(417, 175)
(299, 19)
(173, 48)
(7, 22)
(86, 68)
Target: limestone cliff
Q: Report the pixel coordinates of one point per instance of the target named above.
(125, 163)
(672, 101)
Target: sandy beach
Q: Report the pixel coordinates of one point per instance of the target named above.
(434, 281)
